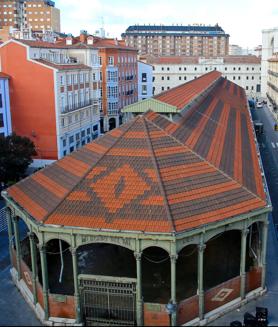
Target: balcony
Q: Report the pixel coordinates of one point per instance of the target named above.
(78, 105)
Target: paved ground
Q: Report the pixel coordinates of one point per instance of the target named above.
(14, 311)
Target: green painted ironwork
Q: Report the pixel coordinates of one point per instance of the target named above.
(150, 104)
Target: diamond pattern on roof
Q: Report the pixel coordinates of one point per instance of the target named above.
(119, 188)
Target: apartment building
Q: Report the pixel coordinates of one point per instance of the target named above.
(170, 72)
(38, 15)
(269, 48)
(162, 40)
(116, 75)
(5, 113)
(272, 82)
(52, 101)
(145, 80)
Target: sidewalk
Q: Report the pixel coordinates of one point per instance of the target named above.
(14, 311)
(270, 299)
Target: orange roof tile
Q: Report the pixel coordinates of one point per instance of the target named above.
(182, 95)
(153, 175)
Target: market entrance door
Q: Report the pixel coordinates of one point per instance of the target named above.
(108, 301)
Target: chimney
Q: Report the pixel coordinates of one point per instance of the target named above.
(116, 41)
(83, 36)
(69, 39)
(90, 40)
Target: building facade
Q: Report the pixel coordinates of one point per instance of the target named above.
(169, 72)
(161, 40)
(38, 15)
(269, 47)
(52, 102)
(272, 82)
(5, 113)
(145, 80)
(114, 73)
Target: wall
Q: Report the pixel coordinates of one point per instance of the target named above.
(32, 99)
(5, 109)
(182, 73)
(222, 294)
(145, 68)
(155, 315)
(267, 51)
(188, 310)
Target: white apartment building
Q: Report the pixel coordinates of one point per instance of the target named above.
(172, 71)
(145, 80)
(5, 113)
(269, 47)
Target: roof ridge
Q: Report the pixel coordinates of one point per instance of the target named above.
(89, 170)
(160, 182)
(205, 160)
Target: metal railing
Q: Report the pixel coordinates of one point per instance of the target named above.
(3, 220)
(76, 106)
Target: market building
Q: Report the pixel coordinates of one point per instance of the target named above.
(155, 223)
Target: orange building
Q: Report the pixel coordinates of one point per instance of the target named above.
(50, 101)
(118, 74)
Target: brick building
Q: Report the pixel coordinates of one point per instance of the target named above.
(154, 212)
(38, 15)
(162, 40)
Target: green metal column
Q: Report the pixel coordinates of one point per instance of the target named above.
(201, 249)
(42, 248)
(139, 298)
(10, 233)
(17, 244)
(34, 265)
(244, 234)
(264, 248)
(76, 289)
(173, 258)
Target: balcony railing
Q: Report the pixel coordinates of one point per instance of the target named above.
(270, 72)
(78, 105)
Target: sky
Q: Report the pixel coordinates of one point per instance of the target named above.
(242, 19)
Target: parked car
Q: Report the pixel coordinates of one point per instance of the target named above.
(259, 105)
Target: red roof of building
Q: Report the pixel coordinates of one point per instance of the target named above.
(63, 66)
(78, 44)
(153, 175)
(182, 95)
(179, 60)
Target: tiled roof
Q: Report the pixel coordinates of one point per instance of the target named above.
(242, 59)
(64, 66)
(183, 94)
(172, 60)
(273, 59)
(193, 60)
(154, 175)
(170, 28)
(77, 44)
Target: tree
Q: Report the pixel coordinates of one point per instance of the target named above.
(15, 156)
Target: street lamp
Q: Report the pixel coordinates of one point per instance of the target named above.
(171, 309)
